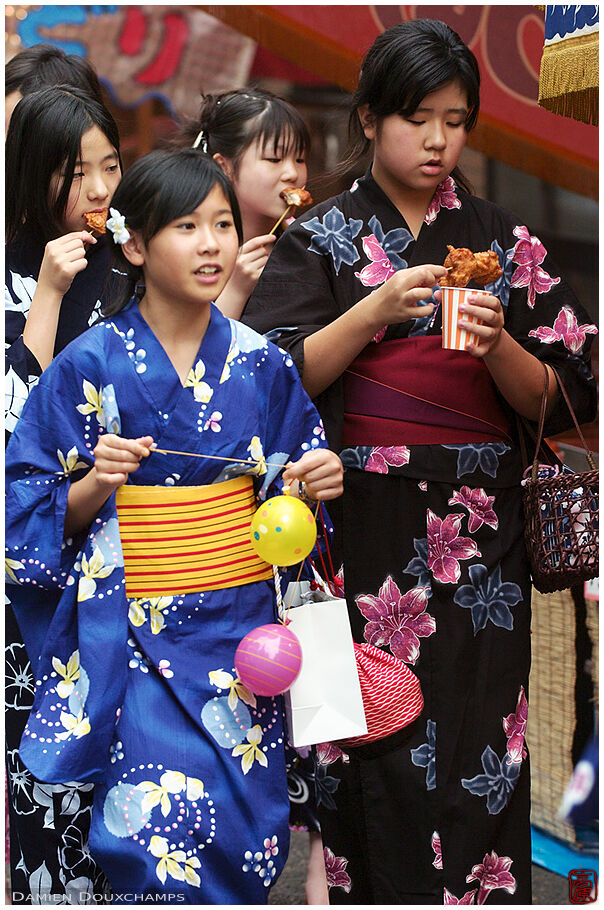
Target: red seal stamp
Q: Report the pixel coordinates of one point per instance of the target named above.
(582, 886)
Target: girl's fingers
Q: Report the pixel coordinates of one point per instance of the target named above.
(130, 449)
(483, 311)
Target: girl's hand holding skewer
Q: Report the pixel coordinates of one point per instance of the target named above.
(63, 258)
(400, 297)
(251, 259)
(114, 459)
(320, 470)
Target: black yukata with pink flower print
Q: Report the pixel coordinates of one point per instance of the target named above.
(434, 565)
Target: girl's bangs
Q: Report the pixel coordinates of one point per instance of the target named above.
(285, 130)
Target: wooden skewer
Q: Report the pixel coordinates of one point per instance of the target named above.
(285, 213)
(252, 461)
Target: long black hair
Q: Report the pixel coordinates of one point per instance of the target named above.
(403, 65)
(159, 188)
(232, 121)
(45, 138)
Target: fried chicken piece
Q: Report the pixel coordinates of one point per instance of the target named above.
(293, 195)
(97, 221)
(465, 266)
(460, 263)
(487, 268)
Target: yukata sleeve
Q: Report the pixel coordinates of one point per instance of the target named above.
(295, 295)
(292, 425)
(22, 370)
(546, 318)
(52, 446)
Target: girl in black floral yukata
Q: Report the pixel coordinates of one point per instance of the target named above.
(430, 528)
(62, 159)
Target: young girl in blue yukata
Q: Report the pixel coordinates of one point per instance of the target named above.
(262, 143)
(430, 529)
(136, 687)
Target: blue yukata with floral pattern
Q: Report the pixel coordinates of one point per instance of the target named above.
(140, 696)
(430, 538)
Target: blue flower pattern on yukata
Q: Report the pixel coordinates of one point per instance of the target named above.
(419, 565)
(489, 598)
(497, 783)
(355, 458)
(325, 785)
(425, 755)
(333, 235)
(392, 243)
(483, 455)
(501, 287)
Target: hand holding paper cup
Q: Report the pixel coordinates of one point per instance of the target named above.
(464, 266)
(454, 337)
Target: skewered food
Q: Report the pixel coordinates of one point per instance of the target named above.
(465, 266)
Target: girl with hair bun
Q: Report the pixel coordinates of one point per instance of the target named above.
(262, 144)
(148, 552)
(430, 527)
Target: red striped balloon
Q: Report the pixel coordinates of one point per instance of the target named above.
(268, 659)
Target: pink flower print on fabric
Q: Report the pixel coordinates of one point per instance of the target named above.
(446, 547)
(382, 456)
(479, 505)
(397, 620)
(438, 855)
(335, 870)
(380, 268)
(270, 847)
(528, 254)
(444, 196)
(566, 329)
(493, 872)
(449, 898)
(329, 753)
(515, 728)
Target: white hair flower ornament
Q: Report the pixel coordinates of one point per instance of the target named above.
(117, 225)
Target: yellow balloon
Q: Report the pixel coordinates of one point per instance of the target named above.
(283, 531)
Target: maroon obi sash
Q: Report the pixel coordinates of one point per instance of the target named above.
(412, 391)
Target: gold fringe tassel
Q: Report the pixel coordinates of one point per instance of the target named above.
(569, 78)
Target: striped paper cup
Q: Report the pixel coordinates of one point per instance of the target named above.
(455, 338)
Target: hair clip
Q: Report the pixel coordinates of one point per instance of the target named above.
(201, 140)
(117, 225)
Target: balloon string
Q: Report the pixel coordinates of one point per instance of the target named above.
(271, 464)
(328, 549)
(298, 576)
(252, 461)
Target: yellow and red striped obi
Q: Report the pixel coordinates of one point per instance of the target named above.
(179, 540)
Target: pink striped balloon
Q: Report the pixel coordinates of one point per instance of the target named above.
(268, 659)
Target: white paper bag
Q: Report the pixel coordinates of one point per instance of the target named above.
(324, 703)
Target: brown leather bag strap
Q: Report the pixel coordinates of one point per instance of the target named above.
(542, 411)
(588, 452)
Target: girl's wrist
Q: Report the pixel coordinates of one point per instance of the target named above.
(370, 307)
(51, 295)
(498, 349)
